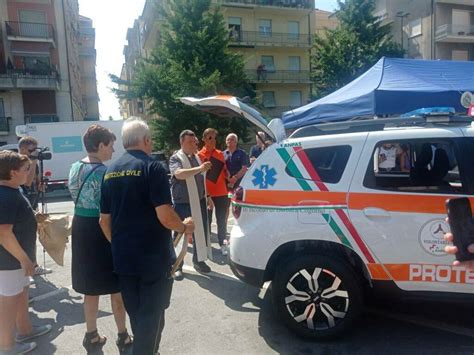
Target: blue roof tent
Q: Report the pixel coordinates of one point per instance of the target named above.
(392, 86)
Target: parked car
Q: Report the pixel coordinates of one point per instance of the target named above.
(340, 209)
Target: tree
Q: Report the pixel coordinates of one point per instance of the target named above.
(360, 40)
(192, 60)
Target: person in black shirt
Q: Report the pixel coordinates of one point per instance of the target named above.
(258, 148)
(136, 215)
(17, 247)
(32, 187)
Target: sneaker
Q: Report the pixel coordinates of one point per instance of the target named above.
(37, 331)
(178, 275)
(21, 348)
(224, 250)
(40, 270)
(201, 266)
(32, 280)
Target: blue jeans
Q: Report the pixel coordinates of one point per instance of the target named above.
(184, 210)
(146, 297)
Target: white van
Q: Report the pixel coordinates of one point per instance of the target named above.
(64, 140)
(338, 209)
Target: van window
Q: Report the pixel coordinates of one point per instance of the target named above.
(422, 166)
(329, 163)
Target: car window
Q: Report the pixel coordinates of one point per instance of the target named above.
(426, 166)
(328, 162)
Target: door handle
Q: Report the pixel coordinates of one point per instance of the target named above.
(373, 212)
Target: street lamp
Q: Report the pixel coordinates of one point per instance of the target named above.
(402, 15)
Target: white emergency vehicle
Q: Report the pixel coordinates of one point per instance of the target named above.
(321, 216)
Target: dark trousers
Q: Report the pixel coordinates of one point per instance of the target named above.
(221, 205)
(184, 210)
(145, 299)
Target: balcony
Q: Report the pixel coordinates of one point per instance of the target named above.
(288, 4)
(41, 118)
(455, 33)
(4, 126)
(30, 32)
(278, 76)
(29, 79)
(253, 38)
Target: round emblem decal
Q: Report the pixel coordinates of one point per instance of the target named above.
(431, 237)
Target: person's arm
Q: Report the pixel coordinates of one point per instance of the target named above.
(32, 174)
(177, 170)
(10, 243)
(105, 222)
(452, 250)
(183, 174)
(170, 220)
(160, 196)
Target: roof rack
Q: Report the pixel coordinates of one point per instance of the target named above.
(379, 124)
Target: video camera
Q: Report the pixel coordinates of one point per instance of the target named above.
(41, 153)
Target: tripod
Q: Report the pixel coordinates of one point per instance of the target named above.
(40, 196)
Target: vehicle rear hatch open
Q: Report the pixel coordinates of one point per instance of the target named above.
(231, 106)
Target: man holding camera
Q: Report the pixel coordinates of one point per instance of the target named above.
(29, 146)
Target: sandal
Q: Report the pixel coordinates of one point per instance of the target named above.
(124, 341)
(93, 346)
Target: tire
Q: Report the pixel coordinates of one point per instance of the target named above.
(295, 295)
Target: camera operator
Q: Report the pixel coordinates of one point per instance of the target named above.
(29, 146)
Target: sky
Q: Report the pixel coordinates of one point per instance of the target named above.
(111, 20)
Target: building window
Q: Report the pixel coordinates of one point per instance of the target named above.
(329, 163)
(414, 28)
(295, 99)
(2, 108)
(268, 99)
(293, 29)
(267, 61)
(265, 28)
(32, 24)
(235, 28)
(459, 55)
(294, 63)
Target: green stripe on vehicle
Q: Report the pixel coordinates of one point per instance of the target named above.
(335, 228)
(293, 169)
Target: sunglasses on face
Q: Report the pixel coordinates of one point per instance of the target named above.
(211, 138)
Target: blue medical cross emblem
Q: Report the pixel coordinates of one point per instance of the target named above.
(264, 176)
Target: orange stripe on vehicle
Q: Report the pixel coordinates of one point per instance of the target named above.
(224, 97)
(422, 273)
(400, 202)
(357, 201)
(377, 272)
(294, 198)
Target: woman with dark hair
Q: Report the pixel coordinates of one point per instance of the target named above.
(17, 247)
(92, 267)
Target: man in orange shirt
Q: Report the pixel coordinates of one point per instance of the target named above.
(216, 184)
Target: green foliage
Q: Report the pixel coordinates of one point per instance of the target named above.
(342, 54)
(192, 60)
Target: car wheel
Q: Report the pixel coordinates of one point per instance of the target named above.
(317, 296)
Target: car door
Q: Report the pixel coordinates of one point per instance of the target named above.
(401, 214)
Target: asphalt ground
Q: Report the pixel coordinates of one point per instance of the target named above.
(218, 314)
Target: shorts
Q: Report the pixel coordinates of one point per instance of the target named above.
(12, 282)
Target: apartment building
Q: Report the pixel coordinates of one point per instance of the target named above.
(431, 29)
(87, 63)
(40, 67)
(274, 36)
